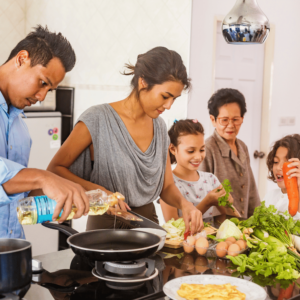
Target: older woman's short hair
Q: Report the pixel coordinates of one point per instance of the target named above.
(226, 96)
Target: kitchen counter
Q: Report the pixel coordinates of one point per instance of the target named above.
(65, 269)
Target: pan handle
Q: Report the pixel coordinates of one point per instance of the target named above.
(58, 288)
(67, 230)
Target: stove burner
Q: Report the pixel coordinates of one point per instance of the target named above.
(142, 268)
(128, 281)
(126, 268)
(125, 275)
(125, 286)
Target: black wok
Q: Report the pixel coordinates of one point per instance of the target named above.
(110, 244)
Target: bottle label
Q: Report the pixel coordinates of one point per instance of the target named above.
(45, 208)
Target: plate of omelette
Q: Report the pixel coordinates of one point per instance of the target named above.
(213, 287)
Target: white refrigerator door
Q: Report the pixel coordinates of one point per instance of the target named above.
(45, 132)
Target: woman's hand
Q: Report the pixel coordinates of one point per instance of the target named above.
(230, 198)
(122, 205)
(295, 172)
(191, 214)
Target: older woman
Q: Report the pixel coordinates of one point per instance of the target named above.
(123, 146)
(226, 156)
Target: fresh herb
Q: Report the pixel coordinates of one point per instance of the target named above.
(236, 221)
(206, 224)
(265, 265)
(277, 224)
(223, 201)
(215, 239)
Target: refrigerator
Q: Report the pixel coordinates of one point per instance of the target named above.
(45, 130)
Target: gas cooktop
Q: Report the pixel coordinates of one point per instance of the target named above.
(64, 275)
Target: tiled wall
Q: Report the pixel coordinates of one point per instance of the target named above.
(106, 34)
(12, 25)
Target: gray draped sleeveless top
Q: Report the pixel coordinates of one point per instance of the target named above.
(119, 164)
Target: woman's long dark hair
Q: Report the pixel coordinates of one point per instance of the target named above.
(157, 66)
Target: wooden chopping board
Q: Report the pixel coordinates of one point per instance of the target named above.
(175, 244)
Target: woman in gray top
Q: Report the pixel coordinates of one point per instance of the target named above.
(128, 143)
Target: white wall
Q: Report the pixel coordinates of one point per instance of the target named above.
(107, 34)
(12, 25)
(285, 86)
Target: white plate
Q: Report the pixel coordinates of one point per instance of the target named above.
(250, 289)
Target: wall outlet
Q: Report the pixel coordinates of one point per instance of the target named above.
(282, 121)
(291, 121)
(287, 121)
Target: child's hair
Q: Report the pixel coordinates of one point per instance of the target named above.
(292, 143)
(181, 128)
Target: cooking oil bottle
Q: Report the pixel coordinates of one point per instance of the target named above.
(39, 209)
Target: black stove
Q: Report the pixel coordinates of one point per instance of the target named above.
(64, 275)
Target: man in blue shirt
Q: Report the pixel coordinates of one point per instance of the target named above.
(35, 66)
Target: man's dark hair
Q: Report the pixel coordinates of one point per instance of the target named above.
(43, 45)
(223, 97)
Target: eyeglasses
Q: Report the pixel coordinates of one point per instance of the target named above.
(235, 121)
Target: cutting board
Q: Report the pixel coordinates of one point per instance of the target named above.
(175, 244)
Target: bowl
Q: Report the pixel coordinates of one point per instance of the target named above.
(161, 233)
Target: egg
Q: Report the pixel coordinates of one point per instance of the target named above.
(191, 240)
(221, 265)
(202, 245)
(231, 268)
(231, 239)
(229, 243)
(187, 263)
(188, 248)
(201, 264)
(233, 250)
(245, 243)
(221, 249)
(241, 244)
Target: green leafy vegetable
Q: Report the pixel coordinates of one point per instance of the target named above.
(277, 224)
(266, 265)
(223, 201)
(277, 245)
(236, 221)
(206, 224)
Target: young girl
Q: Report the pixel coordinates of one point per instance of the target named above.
(203, 189)
(286, 149)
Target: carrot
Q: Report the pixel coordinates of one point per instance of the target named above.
(286, 293)
(292, 190)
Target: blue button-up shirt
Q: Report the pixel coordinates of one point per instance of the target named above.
(15, 143)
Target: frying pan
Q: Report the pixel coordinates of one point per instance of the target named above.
(109, 244)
